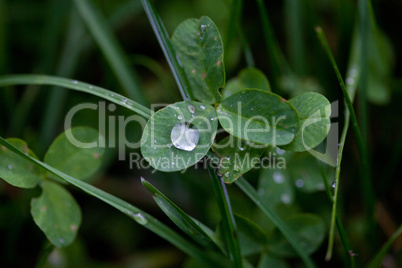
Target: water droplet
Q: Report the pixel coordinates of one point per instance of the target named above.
(191, 109)
(227, 174)
(349, 80)
(299, 183)
(278, 177)
(140, 218)
(90, 87)
(242, 148)
(154, 141)
(203, 26)
(169, 145)
(252, 109)
(154, 148)
(124, 100)
(285, 198)
(172, 163)
(333, 185)
(184, 136)
(280, 151)
(179, 117)
(202, 107)
(75, 82)
(10, 167)
(212, 119)
(237, 168)
(62, 241)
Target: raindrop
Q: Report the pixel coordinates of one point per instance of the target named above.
(212, 119)
(242, 148)
(285, 198)
(154, 148)
(299, 183)
(278, 177)
(179, 117)
(140, 218)
(10, 167)
(237, 168)
(185, 136)
(124, 100)
(227, 174)
(75, 82)
(349, 80)
(169, 145)
(202, 107)
(333, 185)
(62, 241)
(90, 87)
(280, 151)
(154, 141)
(191, 109)
(172, 163)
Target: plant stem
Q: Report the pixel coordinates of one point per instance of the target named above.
(228, 223)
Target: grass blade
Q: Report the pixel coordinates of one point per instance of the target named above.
(195, 229)
(138, 215)
(110, 48)
(366, 185)
(274, 217)
(228, 223)
(376, 262)
(167, 48)
(277, 63)
(28, 79)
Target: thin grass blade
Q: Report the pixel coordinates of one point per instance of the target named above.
(111, 49)
(78, 86)
(167, 48)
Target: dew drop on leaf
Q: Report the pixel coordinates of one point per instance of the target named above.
(185, 136)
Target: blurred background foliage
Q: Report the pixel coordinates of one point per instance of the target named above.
(50, 37)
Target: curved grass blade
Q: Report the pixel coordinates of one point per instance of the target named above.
(195, 229)
(135, 213)
(228, 223)
(167, 48)
(376, 262)
(29, 79)
(274, 217)
(110, 48)
(367, 187)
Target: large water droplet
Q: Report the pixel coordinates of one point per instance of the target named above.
(185, 136)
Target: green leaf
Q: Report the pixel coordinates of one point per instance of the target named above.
(314, 111)
(77, 152)
(141, 217)
(57, 214)
(252, 238)
(17, 171)
(268, 261)
(276, 186)
(195, 229)
(156, 142)
(199, 48)
(247, 78)
(309, 230)
(259, 116)
(237, 157)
